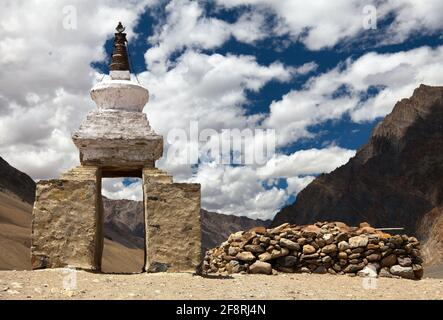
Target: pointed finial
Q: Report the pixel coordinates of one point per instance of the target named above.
(120, 28)
(119, 60)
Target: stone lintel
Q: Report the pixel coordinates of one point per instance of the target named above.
(67, 221)
(173, 224)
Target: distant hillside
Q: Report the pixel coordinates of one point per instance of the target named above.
(16, 182)
(395, 180)
(124, 224)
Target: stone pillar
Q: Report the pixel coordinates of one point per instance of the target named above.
(67, 221)
(173, 223)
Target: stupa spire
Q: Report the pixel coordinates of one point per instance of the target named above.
(120, 61)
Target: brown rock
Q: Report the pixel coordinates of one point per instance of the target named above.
(389, 260)
(373, 257)
(291, 245)
(258, 230)
(265, 256)
(260, 267)
(254, 248)
(245, 256)
(308, 249)
(330, 248)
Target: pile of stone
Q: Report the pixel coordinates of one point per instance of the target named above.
(323, 247)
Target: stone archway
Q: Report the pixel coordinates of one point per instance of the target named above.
(116, 140)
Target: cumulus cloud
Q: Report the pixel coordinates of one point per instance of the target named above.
(321, 24)
(187, 26)
(46, 76)
(118, 188)
(305, 162)
(346, 90)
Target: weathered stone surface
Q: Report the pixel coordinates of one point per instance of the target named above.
(254, 248)
(266, 256)
(67, 221)
(404, 261)
(173, 226)
(316, 255)
(358, 241)
(260, 267)
(330, 248)
(368, 271)
(118, 140)
(288, 261)
(343, 246)
(353, 268)
(245, 256)
(308, 249)
(389, 260)
(404, 272)
(291, 245)
(329, 238)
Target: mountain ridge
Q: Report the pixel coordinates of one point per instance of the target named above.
(394, 180)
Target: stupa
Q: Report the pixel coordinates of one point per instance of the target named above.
(116, 140)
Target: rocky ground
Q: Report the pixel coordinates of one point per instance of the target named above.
(49, 284)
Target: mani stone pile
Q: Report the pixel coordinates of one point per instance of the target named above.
(323, 247)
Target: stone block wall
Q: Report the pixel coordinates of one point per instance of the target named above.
(67, 221)
(333, 248)
(173, 223)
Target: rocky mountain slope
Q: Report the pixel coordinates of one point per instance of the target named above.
(395, 180)
(124, 224)
(16, 182)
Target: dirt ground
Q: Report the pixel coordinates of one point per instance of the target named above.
(61, 284)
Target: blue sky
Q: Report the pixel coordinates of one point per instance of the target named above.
(310, 71)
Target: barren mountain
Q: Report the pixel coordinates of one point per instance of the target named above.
(16, 182)
(395, 180)
(124, 224)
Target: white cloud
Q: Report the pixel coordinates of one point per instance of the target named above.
(305, 162)
(322, 23)
(187, 26)
(46, 76)
(114, 188)
(297, 184)
(396, 74)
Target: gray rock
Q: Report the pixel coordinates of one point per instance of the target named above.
(384, 273)
(288, 261)
(368, 271)
(352, 268)
(404, 261)
(320, 270)
(404, 272)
